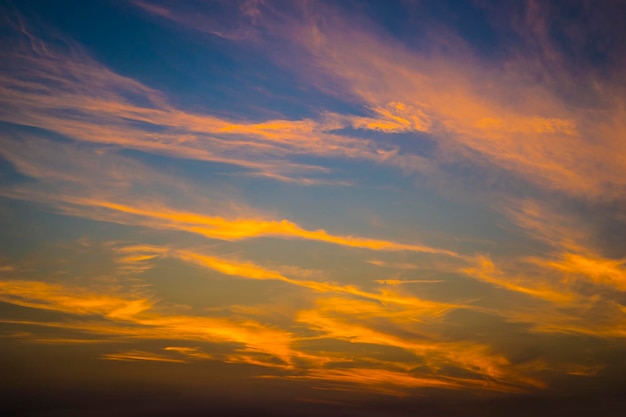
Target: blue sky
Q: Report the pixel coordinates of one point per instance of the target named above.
(292, 207)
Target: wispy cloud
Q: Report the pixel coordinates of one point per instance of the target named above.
(214, 227)
(376, 380)
(191, 352)
(262, 344)
(407, 281)
(486, 270)
(491, 114)
(572, 255)
(106, 192)
(135, 259)
(505, 115)
(41, 295)
(63, 90)
(121, 312)
(364, 322)
(252, 271)
(579, 288)
(138, 355)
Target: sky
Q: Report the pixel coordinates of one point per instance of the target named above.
(302, 208)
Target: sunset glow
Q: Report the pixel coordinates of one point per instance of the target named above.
(313, 208)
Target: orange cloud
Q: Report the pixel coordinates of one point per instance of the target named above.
(394, 117)
(377, 380)
(472, 109)
(599, 270)
(336, 318)
(485, 270)
(368, 323)
(79, 190)
(407, 281)
(47, 84)
(121, 312)
(193, 353)
(138, 355)
(397, 265)
(107, 122)
(135, 259)
(214, 227)
(540, 138)
(41, 295)
(571, 253)
(570, 273)
(249, 270)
